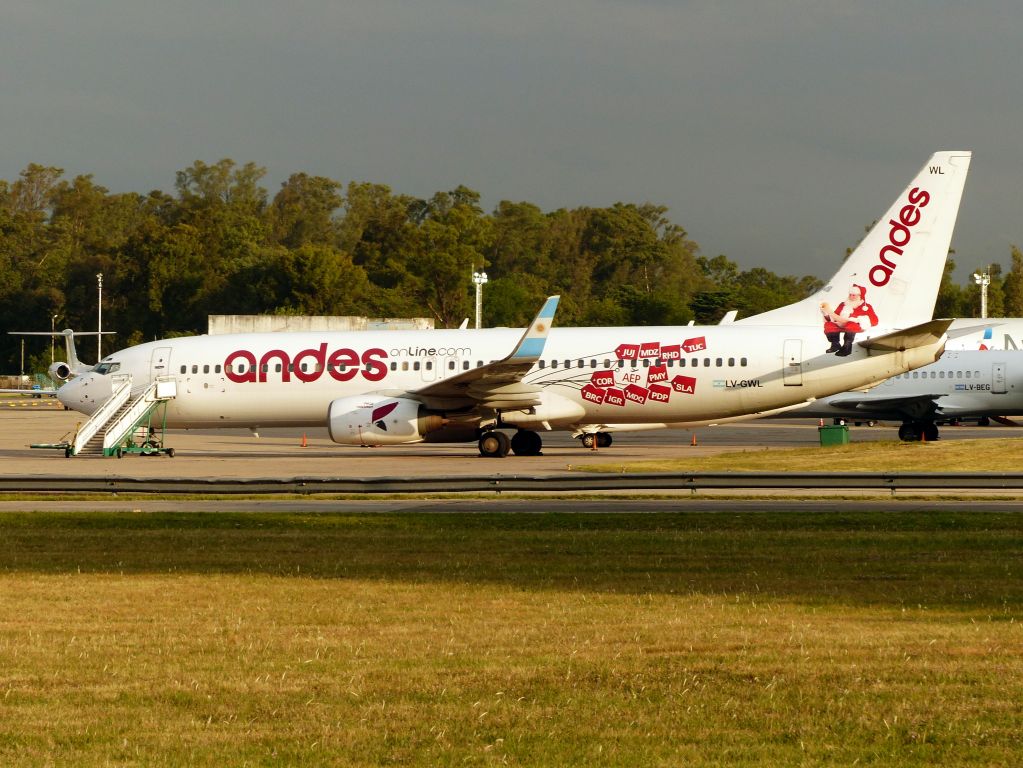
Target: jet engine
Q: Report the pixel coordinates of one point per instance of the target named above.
(380, 420)
(59, 371)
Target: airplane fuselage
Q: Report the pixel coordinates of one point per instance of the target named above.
(585, 375)
(962, 384)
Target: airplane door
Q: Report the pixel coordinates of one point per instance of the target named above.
(998, 378)
(449, 366)
(429, 369)
(792, 363)
(160, 362)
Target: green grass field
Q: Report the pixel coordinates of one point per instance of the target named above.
(547, 639)
(987, 455)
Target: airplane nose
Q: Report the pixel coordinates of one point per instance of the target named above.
(64, 394)
(77, 394)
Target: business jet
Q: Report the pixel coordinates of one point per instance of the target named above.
(961, 385)
(400, 387)
(60, 371)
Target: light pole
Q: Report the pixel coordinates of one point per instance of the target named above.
(983, 279)
(99, 319)
(480, 279)
(53, 321)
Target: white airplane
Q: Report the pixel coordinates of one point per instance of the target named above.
(399, 387)
(960, 385)
(60, 371)
(1004, 333)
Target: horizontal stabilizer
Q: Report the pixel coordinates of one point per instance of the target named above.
(921, 335)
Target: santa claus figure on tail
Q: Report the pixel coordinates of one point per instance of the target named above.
(842, 323)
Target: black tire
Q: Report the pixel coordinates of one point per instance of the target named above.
(170, 452)
(909, 433)
(525, 442)
(603, 440)
(494, 445)
(929, 431)
(588, 439)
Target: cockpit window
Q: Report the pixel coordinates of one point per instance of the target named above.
(105, 368)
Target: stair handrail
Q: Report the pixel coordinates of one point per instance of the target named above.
(126, 423)
(121, 391)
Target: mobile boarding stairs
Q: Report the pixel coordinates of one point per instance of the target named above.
(125, 423)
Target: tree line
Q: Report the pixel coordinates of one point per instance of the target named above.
(220, 244)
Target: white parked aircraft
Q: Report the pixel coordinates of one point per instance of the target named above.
(960, 385)
(59, 370)
(393, 387)
(971, 333)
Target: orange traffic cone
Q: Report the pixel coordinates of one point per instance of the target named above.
(693, 442)
(304, 444)
(820, 423)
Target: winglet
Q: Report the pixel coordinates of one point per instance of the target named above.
(531, 344)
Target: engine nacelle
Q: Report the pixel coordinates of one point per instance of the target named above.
(59, 371)
(380, 420)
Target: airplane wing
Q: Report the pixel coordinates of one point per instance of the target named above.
(498, 384)
(907, 406)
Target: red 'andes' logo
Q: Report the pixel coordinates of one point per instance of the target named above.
(343, 364)
(899, 236)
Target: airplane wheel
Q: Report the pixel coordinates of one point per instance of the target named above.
(525, 442)
(603, 440)
(930, 432)
(908, 433)
(494, 445)
(588, 440)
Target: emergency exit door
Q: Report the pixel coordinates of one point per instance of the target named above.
(998, 378)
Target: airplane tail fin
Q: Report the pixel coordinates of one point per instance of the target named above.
(73, 366)
(72, 354)
(897, 267)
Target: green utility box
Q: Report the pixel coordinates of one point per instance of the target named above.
(834, 434)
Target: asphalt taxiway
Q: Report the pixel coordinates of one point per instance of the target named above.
(285, 453)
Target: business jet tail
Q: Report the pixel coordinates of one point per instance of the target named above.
(898, 266)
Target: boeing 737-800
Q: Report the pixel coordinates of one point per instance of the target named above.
(395, 387)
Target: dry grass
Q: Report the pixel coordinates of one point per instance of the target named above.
(995, 455)
(694, 639)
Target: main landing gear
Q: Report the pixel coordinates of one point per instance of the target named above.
(525, 442)
(495, 445)
(602, 439)
(915, 431)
